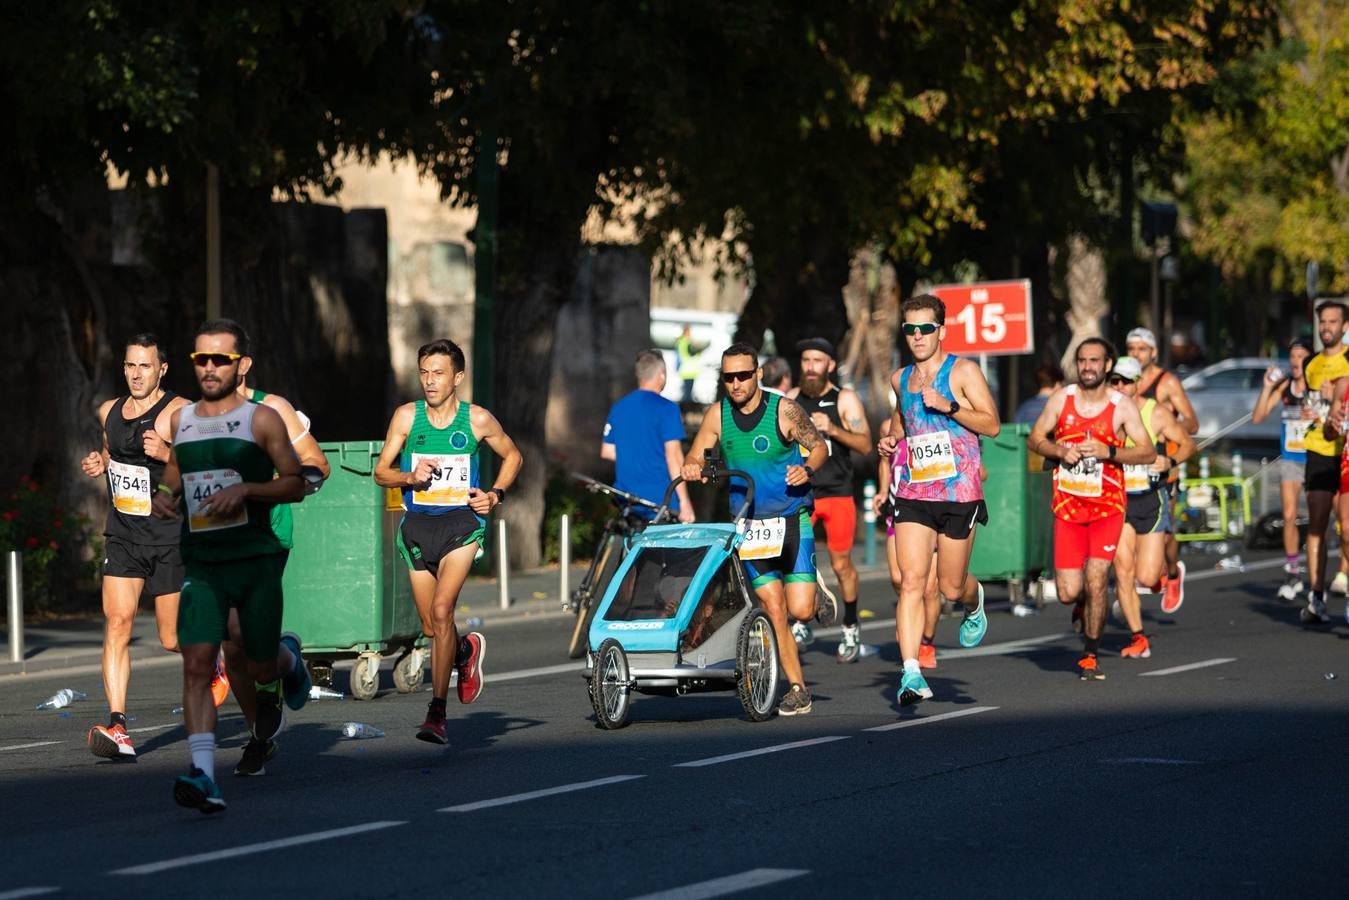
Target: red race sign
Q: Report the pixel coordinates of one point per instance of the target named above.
(991, 317)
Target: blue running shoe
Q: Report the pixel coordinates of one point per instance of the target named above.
(296, 684)
(196, 790)
(975, 624)
(913, 689)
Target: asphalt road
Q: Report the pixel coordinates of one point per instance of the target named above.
(1217, 767)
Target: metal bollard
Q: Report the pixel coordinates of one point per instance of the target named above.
(564, 558)
(14, 585)
(503, 565)
(869, 519)
(1203, 467)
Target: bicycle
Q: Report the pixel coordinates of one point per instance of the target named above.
(609, 552)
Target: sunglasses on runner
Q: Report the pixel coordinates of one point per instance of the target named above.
(912, 328)
(733, 377)
(1117, 380)
(219, 360)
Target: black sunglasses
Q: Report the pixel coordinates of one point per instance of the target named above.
(1118, 379)
(219, 360)
(912, 328)
(732, 377)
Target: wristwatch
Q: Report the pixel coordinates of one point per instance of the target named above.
(810, 470)
(500, 492)
(955, 408)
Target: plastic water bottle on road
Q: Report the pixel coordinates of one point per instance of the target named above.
(323, 693)
(360, 731)
(62, 698)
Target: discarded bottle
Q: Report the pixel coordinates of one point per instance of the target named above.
(176, 711)
(1330, 676)
(1231, 562)
(865, 650)
(62, 698)
(323, 693)
(474, 621)
(360, 731)
(1021, 610)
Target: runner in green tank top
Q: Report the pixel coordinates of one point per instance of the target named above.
(783, 575)
(219, 481)
(431, 454)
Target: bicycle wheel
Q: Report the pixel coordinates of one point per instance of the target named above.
(590, 593)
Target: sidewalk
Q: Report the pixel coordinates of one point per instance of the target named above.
(534, 595)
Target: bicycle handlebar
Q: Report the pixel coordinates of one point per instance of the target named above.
(599, 487)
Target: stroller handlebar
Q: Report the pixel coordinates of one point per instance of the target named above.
(713, 472)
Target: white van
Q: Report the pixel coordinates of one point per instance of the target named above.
(711, 333)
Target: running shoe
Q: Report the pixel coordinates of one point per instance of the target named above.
(271, 715)
(974, 625)
(850, 644)
(256, 753)
(927, 655)
(826, 604)
(1138, 648)
(1077, 616)
(913, 689)
(1292, 585)
(1340, 584)
(470, 669)
(296, 683)
(1314, 613)
(111, 742)
(1088, 669)
(802, 634)
(433, 729)
(795, 702)
(220, 683)
(197, 790)
(1175, 591)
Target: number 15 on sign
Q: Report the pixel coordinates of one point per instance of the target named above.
(991, 317)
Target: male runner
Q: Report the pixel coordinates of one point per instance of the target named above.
(944, 406)
(1089, 422)
(315, 470)
(644, 436)
(777, 377)
(759, 433)
(1324, 446)
(231, 462)
(1287, 393)
(141, 551)
(1164, 387)
(431, 453)
(839, 417)
(889, 471)
(1140, 558)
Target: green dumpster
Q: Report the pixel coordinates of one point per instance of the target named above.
(346, 587)
(1019, 538)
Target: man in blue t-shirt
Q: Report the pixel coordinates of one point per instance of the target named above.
(643, 436)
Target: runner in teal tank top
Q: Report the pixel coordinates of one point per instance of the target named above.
(219, 481)
(764, 434)
(431, 454)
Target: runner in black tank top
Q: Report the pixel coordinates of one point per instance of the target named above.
(141, 552)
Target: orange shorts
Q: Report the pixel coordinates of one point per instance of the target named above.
(839, 515)
(1075, 543)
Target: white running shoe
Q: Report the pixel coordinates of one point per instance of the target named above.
(1340, 584)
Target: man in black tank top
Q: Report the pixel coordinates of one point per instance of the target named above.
(142, 550)
(841, 420)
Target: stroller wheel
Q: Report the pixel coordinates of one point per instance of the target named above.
(610, 686)
(756, 666)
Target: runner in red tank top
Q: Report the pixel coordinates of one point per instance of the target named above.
(1083, 426)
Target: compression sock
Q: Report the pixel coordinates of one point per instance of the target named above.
(1290, 562)
(202, 747)
(849, 612)
(1092, 645)
(911, 665)
(437, 706)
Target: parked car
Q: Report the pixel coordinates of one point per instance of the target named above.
(1225, 391)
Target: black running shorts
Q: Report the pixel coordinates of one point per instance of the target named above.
(954, 520)
(160, 567)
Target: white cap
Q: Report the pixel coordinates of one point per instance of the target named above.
(1128, 367)
(1142, 334)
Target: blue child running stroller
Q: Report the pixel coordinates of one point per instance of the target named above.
(679, 617)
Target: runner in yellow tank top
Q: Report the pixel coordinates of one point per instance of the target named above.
(1323, 451)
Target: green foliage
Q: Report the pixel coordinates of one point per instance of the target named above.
(564, 495)
(33, 523)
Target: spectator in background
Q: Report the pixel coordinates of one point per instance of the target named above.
(643, 436)
(777, 375)
(688, 362)
(1048, 378)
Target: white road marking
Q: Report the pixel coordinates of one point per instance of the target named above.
(731, 884)
(1006, 648)
(1190, 667)
(906, 723)
(1150, 761)
(776, 748)
(247, 849)
(27, 892)
(153, 728)
(534, 673)
(30, 746)
(534, 795)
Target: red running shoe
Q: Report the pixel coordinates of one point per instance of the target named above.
(1138, 648)
(927, 656)
(470, 669)
(1088, 670)
(1175, 591)
(111, 743)
(433, 729)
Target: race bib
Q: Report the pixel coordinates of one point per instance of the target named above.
(931, 457)
(449, 479)
(1137, 479)
(130, 488)
(1082, 479)
(198, 487)
(1294, 435)
(763, 538)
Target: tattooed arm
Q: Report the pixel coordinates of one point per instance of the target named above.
(795, 425)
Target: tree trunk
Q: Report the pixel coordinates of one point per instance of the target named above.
(1088, 306)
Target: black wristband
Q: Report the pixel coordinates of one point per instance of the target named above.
(500, 492)
(955, 408)
(1112, 451)
(1172, 460)
(810, 471)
